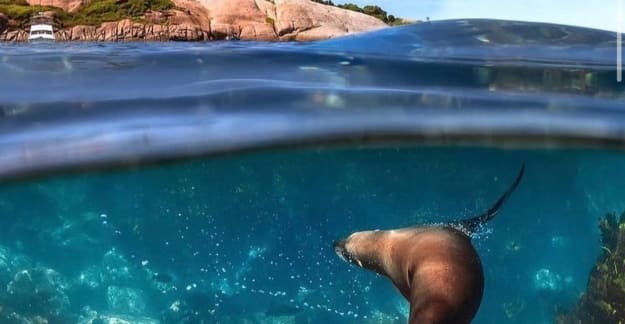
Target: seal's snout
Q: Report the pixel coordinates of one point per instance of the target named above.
(341, 251)
(340, 247)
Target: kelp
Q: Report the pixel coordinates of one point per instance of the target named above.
(604, 299)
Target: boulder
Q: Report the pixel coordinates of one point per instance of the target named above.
(10, 262)
(125, 300)
(198, 20)
(4, 22)
(38, 292)
(306, 20)
(93, 317)
(284, 20)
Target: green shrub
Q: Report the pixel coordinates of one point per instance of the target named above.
(325, 2)
(351, 6)
(16, 12)
(14, 2)
(99, 11)
(375, 11)
(22, 13)
(160, 5)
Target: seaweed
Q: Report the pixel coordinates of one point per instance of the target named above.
(604, 299)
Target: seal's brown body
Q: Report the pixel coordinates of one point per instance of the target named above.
(436, 268)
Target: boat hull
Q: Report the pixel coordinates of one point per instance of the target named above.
(41, 32)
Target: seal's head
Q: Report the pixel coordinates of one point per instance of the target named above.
(361, 249)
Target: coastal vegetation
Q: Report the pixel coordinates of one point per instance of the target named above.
(94, 13)
(100, 11)
(20, 12)
(371, 10)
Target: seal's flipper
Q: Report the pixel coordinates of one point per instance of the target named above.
(469, 226)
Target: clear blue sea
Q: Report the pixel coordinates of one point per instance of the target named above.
(206, 182)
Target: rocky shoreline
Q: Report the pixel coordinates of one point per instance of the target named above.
(203, 20)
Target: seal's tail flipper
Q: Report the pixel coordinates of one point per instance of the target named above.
(469, 226)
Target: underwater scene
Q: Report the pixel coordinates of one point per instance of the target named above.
(210, 182)
(248, 239)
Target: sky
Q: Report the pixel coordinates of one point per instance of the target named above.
(600, 14)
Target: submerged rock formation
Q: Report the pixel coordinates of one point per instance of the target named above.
(36, 295)
(604, 299)
(197, 20)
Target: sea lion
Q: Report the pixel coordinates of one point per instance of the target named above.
(435, 267)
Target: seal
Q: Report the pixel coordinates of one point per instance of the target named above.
(435, 267)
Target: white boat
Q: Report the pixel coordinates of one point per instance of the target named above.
(41, 28)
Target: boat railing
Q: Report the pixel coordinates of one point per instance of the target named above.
(41, 18)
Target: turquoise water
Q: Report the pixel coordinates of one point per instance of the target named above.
(205, 183)
(241, 236)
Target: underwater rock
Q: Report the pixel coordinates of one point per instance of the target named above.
(16, 318)
(194, 308)
(122, 287)
(513, 308)
(37, 293)
(175, 313)
(81, 236)
(5, 266)
(95, 318)
(109, 284)
(9, 264)
(115, 268)
(125, 300)
(283, 319)
(91, 277)
(604, 299)
(164, 282)
(126, 319)
(545, 279)
(178, 312)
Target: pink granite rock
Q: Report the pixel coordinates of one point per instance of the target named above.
(196, 20)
